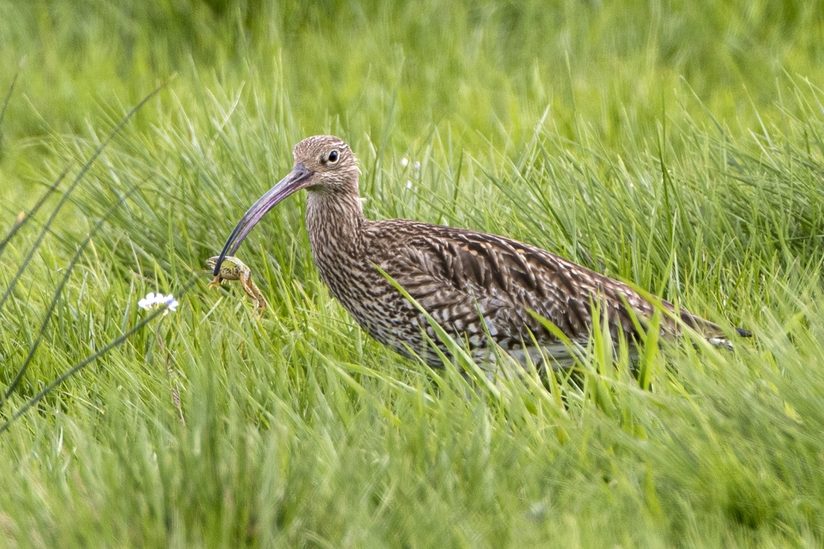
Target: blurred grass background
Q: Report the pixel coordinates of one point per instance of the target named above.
(677, 145)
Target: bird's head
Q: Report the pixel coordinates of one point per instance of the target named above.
(329, 162)
(323, 164)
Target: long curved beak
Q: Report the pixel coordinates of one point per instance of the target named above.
(283, 189)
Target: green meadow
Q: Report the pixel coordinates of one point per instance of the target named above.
(675, 145)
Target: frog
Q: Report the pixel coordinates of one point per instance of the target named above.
(233, 269)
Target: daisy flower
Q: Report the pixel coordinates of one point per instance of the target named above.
(154, 300)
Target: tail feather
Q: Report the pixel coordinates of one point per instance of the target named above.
(710, 330)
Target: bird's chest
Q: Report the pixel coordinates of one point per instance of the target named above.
(350, 279)
(364, 292)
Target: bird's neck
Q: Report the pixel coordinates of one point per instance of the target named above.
(334, 221)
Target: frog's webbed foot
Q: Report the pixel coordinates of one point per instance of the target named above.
(260, 305)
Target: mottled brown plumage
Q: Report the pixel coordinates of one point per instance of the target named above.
(478, 287)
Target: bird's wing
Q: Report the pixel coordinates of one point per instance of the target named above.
(456, 275)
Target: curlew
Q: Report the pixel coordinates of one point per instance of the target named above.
(482, 289)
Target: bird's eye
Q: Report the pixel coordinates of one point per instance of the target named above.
(333, 156)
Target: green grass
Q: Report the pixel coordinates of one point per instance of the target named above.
(679, 146)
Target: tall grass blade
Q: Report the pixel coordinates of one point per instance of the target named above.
(95, 356)
(21, 371)
(67, 193)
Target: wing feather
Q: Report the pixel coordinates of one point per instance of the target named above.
(461, 276)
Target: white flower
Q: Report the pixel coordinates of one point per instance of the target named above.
(416, 165)
(154, 300)
(408, 184)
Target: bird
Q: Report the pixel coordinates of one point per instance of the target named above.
(489, 293)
